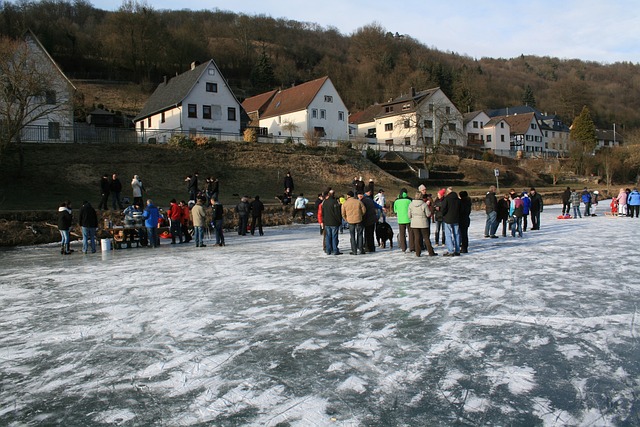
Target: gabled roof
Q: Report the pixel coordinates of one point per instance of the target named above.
(494, 121)
(608, 135)
(259, 102)
(466, 118)
(367, 115)
(411, 101)
(509, 111)
(519, 123)
(173, 92)
(285, 101)
(30, 35)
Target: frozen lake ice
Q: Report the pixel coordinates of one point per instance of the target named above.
(269, 331)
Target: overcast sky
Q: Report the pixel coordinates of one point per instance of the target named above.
(594, 30)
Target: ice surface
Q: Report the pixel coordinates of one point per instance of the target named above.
(269, 331)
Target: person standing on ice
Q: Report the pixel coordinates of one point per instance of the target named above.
(64, 225)
(151, 215)
(595, 197)
(451, 217)
(622, 202)
(89, 223)
(503, 213)
(491, 209)
(575, 204)
(536, 208)
(353, 212)
(420, 215)
(633, 202)
(526, 206)
(515, 211)
(199, 220)
(401, 209)
(332, 220)
(566, 202)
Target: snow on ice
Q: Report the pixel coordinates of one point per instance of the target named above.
(269, 331)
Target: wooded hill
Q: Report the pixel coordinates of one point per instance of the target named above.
(256, 53)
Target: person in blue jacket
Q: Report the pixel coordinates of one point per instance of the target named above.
(526, 206)
(151, 216)
(633, 201)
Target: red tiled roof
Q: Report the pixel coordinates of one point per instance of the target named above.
(365, 116)
(290, 100)
(519, 123)
(258, 102)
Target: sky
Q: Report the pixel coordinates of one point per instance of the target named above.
(591, 30)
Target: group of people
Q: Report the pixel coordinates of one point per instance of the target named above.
(88, 221)
(250, 209)
(211, 190)
(512, 211)
(571, 200)
(627, 203)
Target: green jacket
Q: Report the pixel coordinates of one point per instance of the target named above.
(401, 208)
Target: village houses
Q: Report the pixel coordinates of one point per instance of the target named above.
(311, 109)
(198, 102)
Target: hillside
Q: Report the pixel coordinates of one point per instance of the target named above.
(259, 53)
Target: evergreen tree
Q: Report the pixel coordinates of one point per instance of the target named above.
(583, 131)
(528, 98)
(262, 76)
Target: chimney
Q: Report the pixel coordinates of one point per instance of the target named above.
(194, 64)
(413, 91)
(165, 80)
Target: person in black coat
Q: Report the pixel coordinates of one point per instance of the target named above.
(64, 226)
(115, 186)
(105, 188)
(465, 221)
(332, 220)
(369, 221)
(89, 222)
(566, 202)
(535, 209)
(288, 183)
(256, 207)
(503, 213)
(451, 217)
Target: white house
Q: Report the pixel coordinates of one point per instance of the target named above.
(525, 132)
(414, 119)
(50, 116)
(485, 132)
(198, 101)
(314, 107)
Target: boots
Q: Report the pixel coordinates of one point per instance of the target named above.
(62, 250)
(68, 249)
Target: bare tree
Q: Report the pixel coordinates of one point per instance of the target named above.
(30, 91)
(291, 127)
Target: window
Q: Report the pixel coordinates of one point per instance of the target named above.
(481, 125)
(319, 132)
(212, 87)
(50, 96)
(501, 138)
(323, 114)
(192, 111)
(328, 98)
(407, 140)
(162, 119)
(388, 126)
(54, 130)
(389, 141)
(211, 71)
(407, 124)
(206, 111)
(452, 141)
(341, 116)
(149, 122)
(141, 125)
(475, 124)
(314, 113)
(533, 126)
(488, 138)
(431, 108)
(428, 124)
(452, 126)
(406, 107)
(388, 109)
(231, 114)
(447, 110)
(371, 133)
(501, 125)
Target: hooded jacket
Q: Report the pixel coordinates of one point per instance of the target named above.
(401, 208)
(88, 217)
(64, 218)
(419, 213)
(151, 216)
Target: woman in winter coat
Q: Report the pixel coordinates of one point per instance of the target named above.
(633, 203)
(516, 211)
(526, 206)
(64, 225)
(622, 202)
(437, 207)
(503, 213)
(137, 188)
(420, 214)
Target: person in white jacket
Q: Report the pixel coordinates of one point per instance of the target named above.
(137, 188)
(300, 206)
(420, 215)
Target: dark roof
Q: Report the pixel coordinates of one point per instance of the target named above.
(171, 93)
(367, 115)
(286, 101)
(547, 121)
(412, 99)
(608, 135)
(466, 118)
(509, 111)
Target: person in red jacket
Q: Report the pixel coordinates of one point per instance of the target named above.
(174, 214)
(185, 221)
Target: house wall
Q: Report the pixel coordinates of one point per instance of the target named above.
(335, 128)
(530, 143)
(401, 135)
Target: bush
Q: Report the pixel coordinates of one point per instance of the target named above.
(250, 135)
(373, 155)
(312, 139)
(288, 140)
(181, 141)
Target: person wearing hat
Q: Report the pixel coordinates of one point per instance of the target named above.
(256, 207)
(371, 186)
(437, 208)
(401, 209)
(353, 211)
(594, 202)
(535, 208)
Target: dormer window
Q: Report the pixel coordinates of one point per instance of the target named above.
(328, 98)
(406, 107)
(388, 109)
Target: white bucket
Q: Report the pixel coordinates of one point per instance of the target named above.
(105, 244)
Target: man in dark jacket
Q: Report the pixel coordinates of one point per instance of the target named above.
(89, 222)
(288, 183)
(105, 187)
(256, 207)
(535, 209)
(491, 208)
(332, 219)
(115, 186)
(369, 220)
(465, 220)
(566, 202)
(451, 218)
(242, 209)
